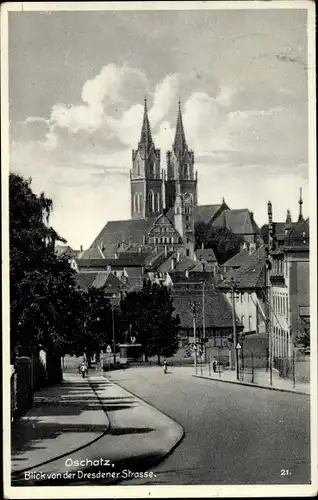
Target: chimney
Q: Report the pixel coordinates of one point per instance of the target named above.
(172, 264)
(252, 216)
(203, 267)
(139, 249)
(81, 248)
(187, 273)
(202, 246)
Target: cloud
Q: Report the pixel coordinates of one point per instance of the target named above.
(165, 96)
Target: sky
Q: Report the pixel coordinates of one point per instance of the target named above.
(77, 81)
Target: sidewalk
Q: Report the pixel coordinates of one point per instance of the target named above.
(87, 420)
(260, 380)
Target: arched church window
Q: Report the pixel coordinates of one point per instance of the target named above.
(135, 202)
(158, 202)
(151, 201)
(139, 202)
(152, 170)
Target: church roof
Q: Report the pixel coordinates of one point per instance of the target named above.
(146, 138)
(239, 221)
(122, 231)
(127, 259)
(204, 213)
(179, 144)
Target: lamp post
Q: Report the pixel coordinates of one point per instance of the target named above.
(203, 318)
(194, 336)
(233, 289)
(113, 329)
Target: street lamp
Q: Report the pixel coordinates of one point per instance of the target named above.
(113, 328)
(233, 290)
(194, 309)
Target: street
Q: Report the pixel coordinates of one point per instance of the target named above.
(233, 434)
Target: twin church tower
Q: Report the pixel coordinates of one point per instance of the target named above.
(155, 190)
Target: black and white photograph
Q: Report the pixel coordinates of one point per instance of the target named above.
(159, 249)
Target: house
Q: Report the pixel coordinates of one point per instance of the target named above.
(289, 283)
(248, 283)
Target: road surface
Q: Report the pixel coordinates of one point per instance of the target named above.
(234, 434)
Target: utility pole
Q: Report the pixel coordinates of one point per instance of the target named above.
(114, 341)
(233, 288)
(268, 266)
(194, 336)
(203, 318)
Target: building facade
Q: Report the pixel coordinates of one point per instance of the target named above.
(288, 284)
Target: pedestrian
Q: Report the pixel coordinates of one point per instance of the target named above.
(165, 366)
(83, 369)
(214, 365)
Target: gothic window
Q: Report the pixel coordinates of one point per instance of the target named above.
(151, 201)
(151, 170)
(139, 202)
(136, 199)
(158, 202)
(187, 252)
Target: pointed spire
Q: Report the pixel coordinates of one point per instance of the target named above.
(180, 144)
(300, 216)
(145, 138)
(288, 218)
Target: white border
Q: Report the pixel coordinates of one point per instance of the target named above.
(248, 491)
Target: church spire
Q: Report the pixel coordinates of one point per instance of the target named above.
(180, 144)
(300, 216)
(146, 137)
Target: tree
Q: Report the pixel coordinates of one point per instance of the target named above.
(150, 313)
(96, 323)
(224, 242)
(304, 339)
(42, 285)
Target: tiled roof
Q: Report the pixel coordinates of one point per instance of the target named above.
(184, 264)
(239, 221)
(299, 235)
(178, 277)
(238, 259)
(205, 254)
(204, 213)
(159, 260)
(109, 282)
(92, 253)
(127, 259)
(251, 274)
(218, 312)
(85, 280)
(122, 231)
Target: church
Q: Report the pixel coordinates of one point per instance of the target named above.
(164, 204)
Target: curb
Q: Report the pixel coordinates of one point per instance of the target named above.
(139, 463)
(15, 475)
(148, 460)
(248, 384)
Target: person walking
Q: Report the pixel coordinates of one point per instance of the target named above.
(214, 365)
(83, 369)
(165, 366)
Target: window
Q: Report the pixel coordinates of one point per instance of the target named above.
(187, 217)
(250, 322)
(151, 201)
(138, 168)
(243, 320)
(187, 252)
(158, 202)
(241, 298)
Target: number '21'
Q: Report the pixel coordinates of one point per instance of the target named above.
(285, 472)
